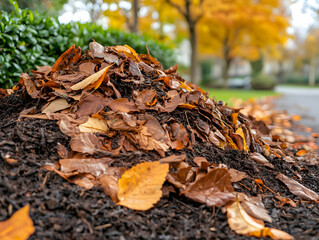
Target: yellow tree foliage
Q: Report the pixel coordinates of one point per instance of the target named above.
(156, 18)
(241, 28)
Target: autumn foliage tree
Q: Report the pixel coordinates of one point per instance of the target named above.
(311, 49)
(241, 28)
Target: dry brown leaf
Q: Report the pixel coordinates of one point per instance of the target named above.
(91, 79)
(94, 125)
(91, 104)
(260, 159)
(140, 186)
(109, 181)
(18, 227)
(173, 158)
(123, 105)
(240, 222)
(85, 180)
(236, 175)
(298, 189)
(56, 105)
(182, 177)
(254, 207)
(86, 165)
(213, 189)
(86, 143)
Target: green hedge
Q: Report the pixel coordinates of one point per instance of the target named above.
(28, 39)
(263, 82)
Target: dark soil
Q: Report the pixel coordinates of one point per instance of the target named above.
(61, 210)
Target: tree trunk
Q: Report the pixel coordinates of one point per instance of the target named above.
(227, 62)
(135, 16)
(225, 72)
(194, 76)
(312, 71)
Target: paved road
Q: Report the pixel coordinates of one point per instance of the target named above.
(301, 101)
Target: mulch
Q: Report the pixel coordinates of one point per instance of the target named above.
(61, 210)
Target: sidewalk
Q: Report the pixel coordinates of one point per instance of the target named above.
(300, 101)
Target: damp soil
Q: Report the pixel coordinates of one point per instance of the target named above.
(61, 210)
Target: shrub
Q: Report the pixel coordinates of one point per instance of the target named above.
(257, 66)
(206, 71)
(263, 82)
(28, 39)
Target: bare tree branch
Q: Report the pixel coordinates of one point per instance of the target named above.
(177, 7)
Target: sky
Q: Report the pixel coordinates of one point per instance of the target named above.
(302, 18)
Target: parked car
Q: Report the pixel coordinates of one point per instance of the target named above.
(238, 82)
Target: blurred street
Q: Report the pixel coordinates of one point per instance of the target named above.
(300, 101)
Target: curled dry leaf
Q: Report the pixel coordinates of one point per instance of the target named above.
(86, 165)
(173, 158)
(140, 186)
(213, 189)
(91, 79)
(94, 125)
(56, 105)
(240, 132)
(254, 207)
(298, 189)
(19, 226)
(71, 55)
(240, 222)
(86, 143)
(182, 177)
(109, 181)
(260, 159)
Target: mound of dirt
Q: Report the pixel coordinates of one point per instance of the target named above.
(90, 118)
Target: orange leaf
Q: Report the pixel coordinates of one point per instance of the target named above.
(18, 227)
(301, 152)
(296, 118)
(69, 56)
(185, 86)
(259, 181)
(140, 186)
(133, 52)
(315, 135)
(234, 117)
(186, 105)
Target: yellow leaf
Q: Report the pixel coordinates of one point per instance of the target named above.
(133, 52)
(140, 186)
(94, 125)
(122, 49)
(240, 222)
(240, 132)
(18, 227)
(91, 79)
(185, 86)
(56, 105)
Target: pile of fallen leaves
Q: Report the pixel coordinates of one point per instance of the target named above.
(282, 126)
(116, 104)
